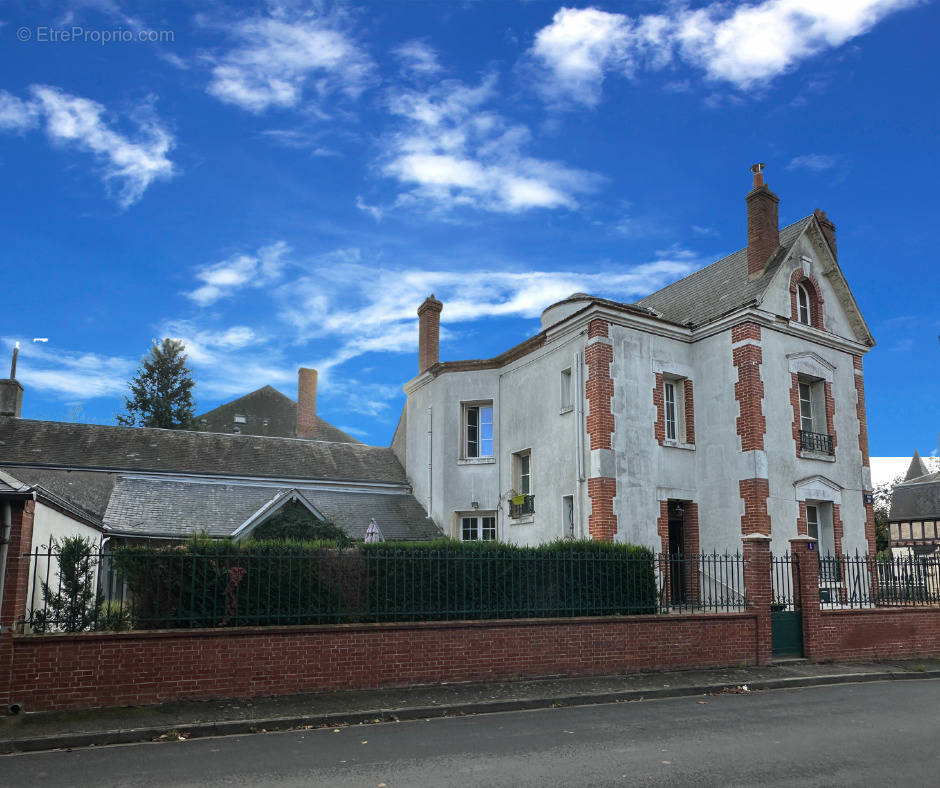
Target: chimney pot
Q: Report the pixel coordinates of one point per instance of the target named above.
(429, 332)
(763, 227)
(306, 403)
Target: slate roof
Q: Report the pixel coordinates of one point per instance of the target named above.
(38, 443)
(917, 499)
(916, 469)
(267, 412)
(181, 508)
(721, 287)
(88, 490)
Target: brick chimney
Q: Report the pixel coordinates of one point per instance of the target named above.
(763, 228)
(829, 230)
(11, 390)
(307, 403)
(429, 332)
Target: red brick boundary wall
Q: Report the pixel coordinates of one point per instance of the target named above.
(859, 635)
(132, 668)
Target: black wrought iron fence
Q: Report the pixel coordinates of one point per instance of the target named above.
(864, 581)
(783, 569)
(217, 586)
(708, 582)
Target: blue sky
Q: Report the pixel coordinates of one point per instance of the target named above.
(280, 184)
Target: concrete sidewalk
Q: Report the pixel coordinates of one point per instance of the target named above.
(190, 719)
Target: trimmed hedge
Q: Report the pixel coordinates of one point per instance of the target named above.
(210, 583)
(448, 579)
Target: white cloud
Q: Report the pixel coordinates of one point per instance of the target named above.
(451, 151)
(72, 121)
(418, 57)
(223, 279)
(813, 161)
(283, 57)
(17, 115)
(355, 308)
(72, 373)
(744, 44)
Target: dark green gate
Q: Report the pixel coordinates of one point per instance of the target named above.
(786, 620)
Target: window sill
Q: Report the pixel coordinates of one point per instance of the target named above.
(677, 445)
(527, 520)
(815, 455)
(476, 460)
(566, 409)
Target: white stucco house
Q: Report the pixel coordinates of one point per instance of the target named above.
(730, 402)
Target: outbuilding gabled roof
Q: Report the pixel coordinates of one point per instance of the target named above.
(267, 412)
(105, 447)
(178, 508)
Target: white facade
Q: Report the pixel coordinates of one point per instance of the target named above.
(531, 413)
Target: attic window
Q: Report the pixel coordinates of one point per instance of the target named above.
(240, 420)
(804, 313)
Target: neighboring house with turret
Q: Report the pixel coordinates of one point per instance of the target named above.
(730, 402)
(914, 518)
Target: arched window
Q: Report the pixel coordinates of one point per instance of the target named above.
(803, 308)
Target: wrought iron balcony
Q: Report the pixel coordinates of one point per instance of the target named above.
(815, 442)
(527, 506)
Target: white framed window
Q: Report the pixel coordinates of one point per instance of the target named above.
(807, 421)
(522, 472)
(674, 409)
(567, 402)
(478, 528)
(669, 398)
(240, 419)
(812, 521)
(478, 430)
(803, 305)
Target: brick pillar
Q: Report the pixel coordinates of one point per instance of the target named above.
(16, 585)
(599, 391)
(805, 568)
(759, 590)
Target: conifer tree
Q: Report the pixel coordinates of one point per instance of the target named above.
(161, 391)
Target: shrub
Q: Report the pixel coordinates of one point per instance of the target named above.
(452, 579)
(209, 583)
(295, 522)
(113, 617)
(71, 605)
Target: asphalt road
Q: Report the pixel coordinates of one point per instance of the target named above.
(843, 735)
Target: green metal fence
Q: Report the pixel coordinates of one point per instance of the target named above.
(184, 588)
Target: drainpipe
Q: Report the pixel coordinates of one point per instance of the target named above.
(5, 546)
(430, 462)
(579, 438)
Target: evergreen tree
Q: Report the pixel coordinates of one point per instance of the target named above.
(161, 391)
(71, 604)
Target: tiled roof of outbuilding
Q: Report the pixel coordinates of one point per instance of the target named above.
(917, 499)
(177, 508)
(38, 443)
(267, 404)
